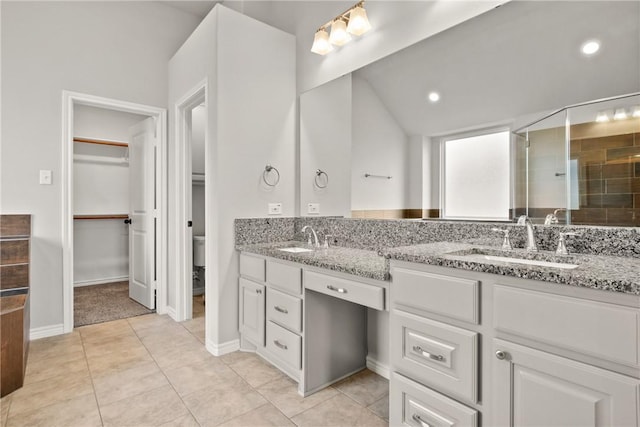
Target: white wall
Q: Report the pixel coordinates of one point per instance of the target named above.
(112, 49)
(325, 143)
(379, 147)
(415, 175)
(101, 250)
(250, 71)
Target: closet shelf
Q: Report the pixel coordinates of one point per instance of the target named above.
(110, 216)
(101, 142)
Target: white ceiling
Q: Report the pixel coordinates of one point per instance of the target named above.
(199, 8)
(518, 59)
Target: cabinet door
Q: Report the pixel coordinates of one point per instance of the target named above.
(533, 388)
(252, 298)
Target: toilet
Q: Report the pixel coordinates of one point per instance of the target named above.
(198, 265)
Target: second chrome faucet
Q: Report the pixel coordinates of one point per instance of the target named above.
(531, 236)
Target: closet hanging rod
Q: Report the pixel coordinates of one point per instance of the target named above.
(88, 158)
(101, 142)
(110, 216)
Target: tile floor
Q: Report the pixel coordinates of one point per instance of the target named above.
(151, 371)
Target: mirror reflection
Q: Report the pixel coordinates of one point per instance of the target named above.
(383, 132)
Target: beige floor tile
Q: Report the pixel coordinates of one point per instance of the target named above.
(5, 404)
(264, 416)
(381, 408)
(338, 411)
(193, 324)
(256, 371)
(129, 382)
(149, 321)
(100, 331)
(185, 421)
(158, 343)
(283, 393)
(118, 361)
(113, 343)
(237, 356)
(189, 378)
(81, 411)
(222, 401)
(43, 369)
(151, 408)
(53, 390)
(365, 387)
(164, 329)
(57, 346)
(187, 354)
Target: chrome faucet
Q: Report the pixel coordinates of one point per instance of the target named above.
(531, 237)
(315, 236)
(552, 218)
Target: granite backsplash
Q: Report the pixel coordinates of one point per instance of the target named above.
(375, 234)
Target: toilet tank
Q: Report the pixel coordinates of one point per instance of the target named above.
(198, 251)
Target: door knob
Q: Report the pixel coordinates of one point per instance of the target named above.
(127, 221)
(501, 354)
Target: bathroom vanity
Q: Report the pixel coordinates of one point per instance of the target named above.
(477, 335)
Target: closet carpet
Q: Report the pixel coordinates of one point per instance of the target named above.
(102, 303)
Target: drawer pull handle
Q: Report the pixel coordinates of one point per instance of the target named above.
(417, 418)
(280, 309)
(258, 291)
(339, 290)
(279, 344)
(420, 351)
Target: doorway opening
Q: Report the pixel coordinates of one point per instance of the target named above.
(114, 209)
(198, 208)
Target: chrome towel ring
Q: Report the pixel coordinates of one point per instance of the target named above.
(265, 176)
(318, 180)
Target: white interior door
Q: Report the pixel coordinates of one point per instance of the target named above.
(142, 241)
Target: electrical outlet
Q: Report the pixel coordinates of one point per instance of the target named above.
(45, 177)
(313, 208)
(275, 208)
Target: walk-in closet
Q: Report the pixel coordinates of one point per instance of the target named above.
(101, 206)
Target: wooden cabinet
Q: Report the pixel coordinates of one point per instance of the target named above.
(534, 388)
(252, 299)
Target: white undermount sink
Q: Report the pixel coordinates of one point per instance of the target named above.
(295, 250)
(539, 263)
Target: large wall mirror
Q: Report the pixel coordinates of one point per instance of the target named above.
(374, 145)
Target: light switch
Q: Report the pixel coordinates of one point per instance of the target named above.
(313, 208)
(275, 208)
(45, 177)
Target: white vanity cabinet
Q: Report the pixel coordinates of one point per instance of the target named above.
(471, 349)
(308, 322)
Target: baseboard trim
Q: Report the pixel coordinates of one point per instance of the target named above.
(102, 281)
(171, 312)
(224, 348)
(377, 367)
(46, 331)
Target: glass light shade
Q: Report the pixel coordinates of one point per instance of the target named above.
(339, 35)
(620, 114)
(636, 111)
(602, 117)
(321, 44)
(358, 22)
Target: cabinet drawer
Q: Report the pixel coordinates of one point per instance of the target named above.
(286, 345)
(598, 329)
(349, 290)
(14, 251)
(286, 277)
(445, 295)
(438, 355)
(252, 266)
(284, 310)
(412, 404)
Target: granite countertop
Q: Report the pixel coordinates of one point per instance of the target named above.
(616, 274)
(608, 273)
(358, 262)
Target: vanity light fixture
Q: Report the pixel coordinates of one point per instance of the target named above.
(590, 47)
(636, 111)
(602, 117)
(353, 21)
(620, 114)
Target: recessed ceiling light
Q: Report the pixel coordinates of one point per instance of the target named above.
(590, 47)
(434, 96)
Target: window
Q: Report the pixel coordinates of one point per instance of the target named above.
(476, 176)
